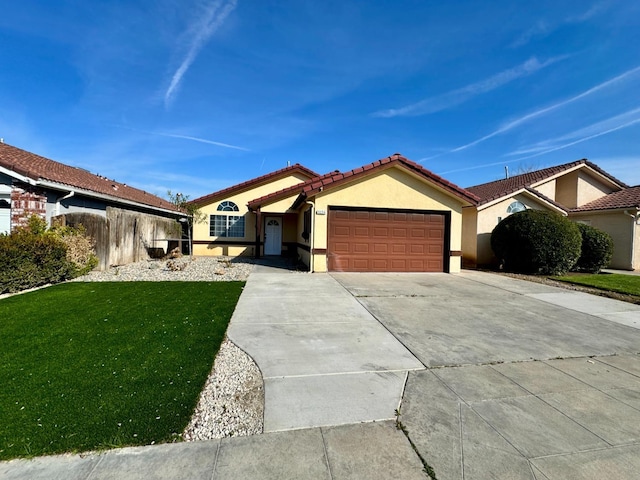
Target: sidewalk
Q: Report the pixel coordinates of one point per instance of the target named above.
(363, 451)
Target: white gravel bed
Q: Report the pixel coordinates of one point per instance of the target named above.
(232, 401)
(211, 269)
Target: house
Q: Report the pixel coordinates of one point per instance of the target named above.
(127, 224)
(390, 215)
(580, 190)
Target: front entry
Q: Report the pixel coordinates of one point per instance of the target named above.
(273, 236)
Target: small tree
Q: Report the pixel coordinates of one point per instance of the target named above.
(534, 241)
(597, 249)
(192, 212)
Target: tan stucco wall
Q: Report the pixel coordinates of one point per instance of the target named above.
(391, 188)
(578, 188)
(201, 230)
(548, 189)
(622, 231)
(590, 189)
(636, 246)
(487, 219)
(469, 236)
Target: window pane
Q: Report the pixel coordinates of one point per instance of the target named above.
(218, 226)
(236, 226)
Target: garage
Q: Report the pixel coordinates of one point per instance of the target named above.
(387, 240)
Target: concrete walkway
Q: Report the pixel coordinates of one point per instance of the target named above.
(324, 358)
(364, 451)
(488, 411)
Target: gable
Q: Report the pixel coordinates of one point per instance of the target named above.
(570, 184)
(393, 187)
(259, 186)
(242, 196)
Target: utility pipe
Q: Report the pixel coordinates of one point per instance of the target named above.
(311, 233)
(68, 195)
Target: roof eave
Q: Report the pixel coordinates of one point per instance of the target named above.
(102, 196)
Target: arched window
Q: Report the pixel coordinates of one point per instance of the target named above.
(516, 207)
(226, 225)
(228, 206)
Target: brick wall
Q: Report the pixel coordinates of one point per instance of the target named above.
(26, 201)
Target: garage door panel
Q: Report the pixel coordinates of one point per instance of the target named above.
(377, 241)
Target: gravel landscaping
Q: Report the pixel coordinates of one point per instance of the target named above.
(232, 401)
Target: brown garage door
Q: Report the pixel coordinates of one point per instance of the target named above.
(386, 241)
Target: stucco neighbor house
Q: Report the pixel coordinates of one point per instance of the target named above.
(390, 215)
(128, 224)
(580, 190)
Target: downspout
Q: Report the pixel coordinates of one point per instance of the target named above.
(68, 195)
(636, 220)
(311, 233)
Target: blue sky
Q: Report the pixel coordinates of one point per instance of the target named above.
(197, 95)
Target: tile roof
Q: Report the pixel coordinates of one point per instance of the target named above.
(500, 188)
(296, 168)
(336, 178)
(627, 198)
(39, 169)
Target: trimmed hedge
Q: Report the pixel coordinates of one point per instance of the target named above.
(597, 249)
(535, 241)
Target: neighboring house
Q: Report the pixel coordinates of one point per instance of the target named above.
(127, 224)
(580, 190)
(390, 215)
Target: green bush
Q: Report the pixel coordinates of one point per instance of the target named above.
(597, 249)
(29, 260)
(33, 256)
(535, 241)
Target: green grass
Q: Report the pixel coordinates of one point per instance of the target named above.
(87, 366)
(614, 282)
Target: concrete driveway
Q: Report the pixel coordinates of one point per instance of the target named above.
(488, 410)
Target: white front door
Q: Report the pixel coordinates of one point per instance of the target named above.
(273, 236)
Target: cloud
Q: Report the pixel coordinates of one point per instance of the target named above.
(604, 127)
(461, 95)
(201, 140)
(525, 118)
(213, 17)
(186, 137)
(543, 28)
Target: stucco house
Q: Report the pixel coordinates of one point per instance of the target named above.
(127, 223)
(390, 215)
(580, 190)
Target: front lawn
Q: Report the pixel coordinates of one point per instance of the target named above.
(614, 282)
(86, 366)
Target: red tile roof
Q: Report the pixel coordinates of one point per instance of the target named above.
(500, 188)
(296, 168)
(336, 178)
(627, 198)
(38, 168)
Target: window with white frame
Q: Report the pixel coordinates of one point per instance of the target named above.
(225, 225)
(515, 207)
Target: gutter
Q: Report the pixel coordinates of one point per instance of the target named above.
(101, 196)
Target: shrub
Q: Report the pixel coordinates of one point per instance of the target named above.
(597, 249)
(80, 248)
(535, 241)
(32, 256)
(29, 260)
